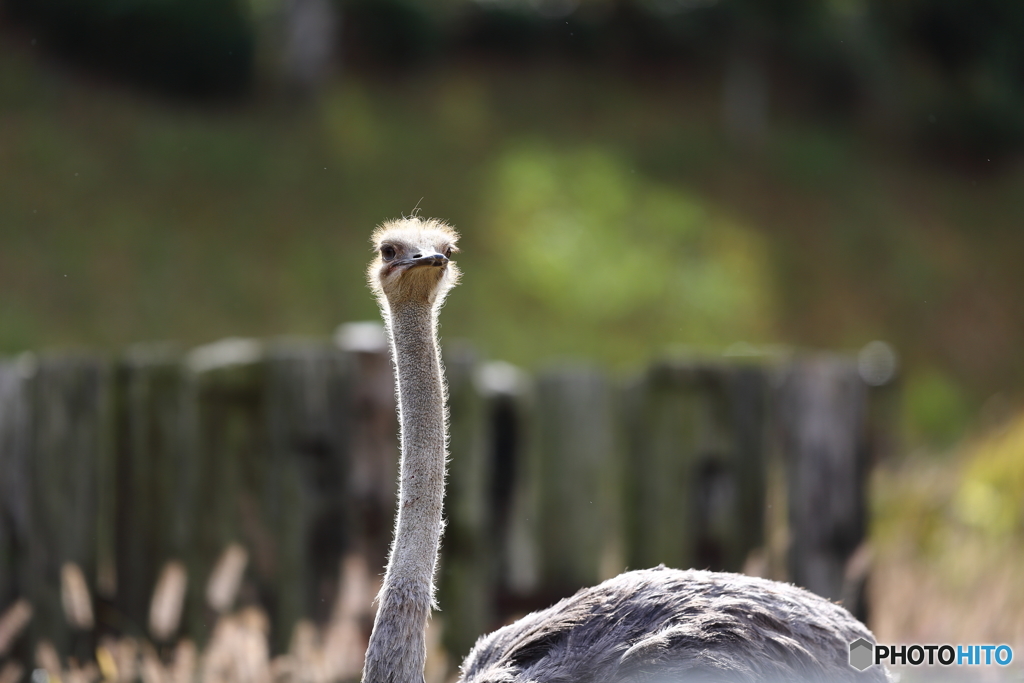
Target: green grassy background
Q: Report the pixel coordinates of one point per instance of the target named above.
(604, 216)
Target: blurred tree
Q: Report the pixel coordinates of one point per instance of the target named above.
(949, 71)
(192, 47)
(968, 99)
(393, 33)
(296, 44)
(936, 409)
(583, 242)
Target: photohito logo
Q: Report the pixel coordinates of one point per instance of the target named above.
(863, 654)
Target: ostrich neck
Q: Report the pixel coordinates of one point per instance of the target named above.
(421, 406)
(397, 649)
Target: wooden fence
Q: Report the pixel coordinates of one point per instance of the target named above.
(289, 448)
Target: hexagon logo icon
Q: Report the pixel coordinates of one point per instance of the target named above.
(861, 654)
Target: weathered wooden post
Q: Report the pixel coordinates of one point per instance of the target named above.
(374, 439)
(304, 501)
(226, 382)
(574, 471)
(467, 562)
(273, 447)
(14, 475)
(154, 430)
(696, 475)
(820, 408)
(504, 391)
(748, 393)
(69, 422)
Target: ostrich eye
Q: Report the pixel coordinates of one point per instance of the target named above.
(388, 252)
(448, 252)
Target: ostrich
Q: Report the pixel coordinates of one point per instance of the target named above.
(653, 624)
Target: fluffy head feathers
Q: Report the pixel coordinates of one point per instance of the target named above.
(413, 263)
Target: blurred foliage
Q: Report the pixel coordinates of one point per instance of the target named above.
(395, 33)
(584, 240)
(948, 73)
(948, 541)
(936, 410)
(978, 492)
(603, 215)
(190, 47)
(964, 65)
(948, 537)
(991, 493)
(910, 505)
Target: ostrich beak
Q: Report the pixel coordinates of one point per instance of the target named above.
(435, 260)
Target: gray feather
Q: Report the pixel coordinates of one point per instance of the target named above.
(670, 625)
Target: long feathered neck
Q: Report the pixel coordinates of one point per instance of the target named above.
(397, 649)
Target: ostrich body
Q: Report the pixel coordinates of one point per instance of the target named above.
(670, 625)
(654, 624)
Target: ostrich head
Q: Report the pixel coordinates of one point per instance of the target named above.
(413, 263)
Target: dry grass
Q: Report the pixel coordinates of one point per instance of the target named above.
(949, 540)
(238, 650)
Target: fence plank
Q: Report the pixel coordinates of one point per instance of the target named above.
(466, 584)
(155, 476)
(574, 471)
(504, 390)
(227, 379)
(69, 416)
(374, 440)
(274, 442)
(14, 482)
(696, 480)
(748, 399)
(304, 501)
(291, 449)
(820, 412)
